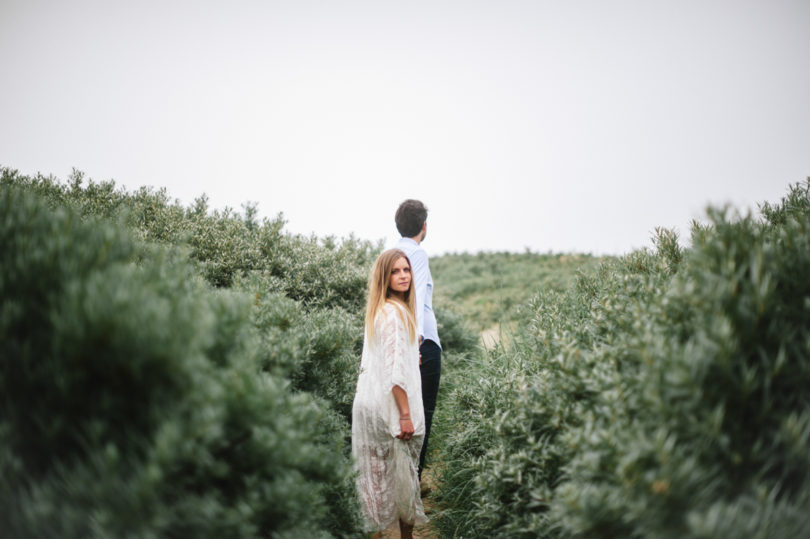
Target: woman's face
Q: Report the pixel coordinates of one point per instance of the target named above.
(400, 279)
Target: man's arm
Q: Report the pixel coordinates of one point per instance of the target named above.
(420, 271)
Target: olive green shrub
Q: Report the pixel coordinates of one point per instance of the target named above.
(707, 436)
(454, 331)
(134, 404)
(225, 244)
(667, 394)
(318, 284)
(502, 449)
(318, 350)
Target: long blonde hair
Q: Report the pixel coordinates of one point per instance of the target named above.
(379, 292)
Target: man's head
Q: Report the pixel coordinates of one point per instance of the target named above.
(410, 218)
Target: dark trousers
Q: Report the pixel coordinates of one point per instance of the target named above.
(431, 371)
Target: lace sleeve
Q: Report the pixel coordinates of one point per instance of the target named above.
(394, 350)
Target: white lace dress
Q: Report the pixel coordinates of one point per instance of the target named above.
(387, 480)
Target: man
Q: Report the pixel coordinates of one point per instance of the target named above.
(411, 223)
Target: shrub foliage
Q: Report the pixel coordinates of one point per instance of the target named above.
(152, 388)
(665, 395)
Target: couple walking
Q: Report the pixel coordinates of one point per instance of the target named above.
(399, 380)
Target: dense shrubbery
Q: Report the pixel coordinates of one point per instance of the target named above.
(226, 245)
(132, 401)
(317, 350)
(172, 371)
(667, 395)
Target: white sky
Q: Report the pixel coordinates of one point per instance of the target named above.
(554, 125)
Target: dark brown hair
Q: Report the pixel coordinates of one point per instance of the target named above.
(410, 217)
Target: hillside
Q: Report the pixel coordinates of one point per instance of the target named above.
(489, 288)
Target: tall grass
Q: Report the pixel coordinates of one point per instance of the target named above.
(490, 288)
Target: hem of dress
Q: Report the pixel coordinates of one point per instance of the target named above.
(395, 523)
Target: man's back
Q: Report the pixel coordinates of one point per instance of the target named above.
(423, 285)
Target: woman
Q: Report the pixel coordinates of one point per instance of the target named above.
(388, 421)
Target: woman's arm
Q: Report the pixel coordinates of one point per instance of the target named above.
(405, 422)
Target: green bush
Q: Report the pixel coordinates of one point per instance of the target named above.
(454, 331)
(475, 392)
(500, 446)
(133, 402)
(714, 421)
(315, 289)
(666, 395)
(318, 350)
(226, 246)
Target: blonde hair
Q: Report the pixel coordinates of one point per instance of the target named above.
(379, 293)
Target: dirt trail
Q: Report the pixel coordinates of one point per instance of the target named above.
(490, 337)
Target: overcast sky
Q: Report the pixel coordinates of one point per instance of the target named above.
(564, 126)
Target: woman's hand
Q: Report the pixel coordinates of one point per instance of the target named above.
(406, 428)
(405, 423)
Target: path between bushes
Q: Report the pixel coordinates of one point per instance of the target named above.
(491, 337)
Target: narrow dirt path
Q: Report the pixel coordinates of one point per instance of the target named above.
(491, 337)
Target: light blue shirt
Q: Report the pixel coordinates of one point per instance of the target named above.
(423, 283)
